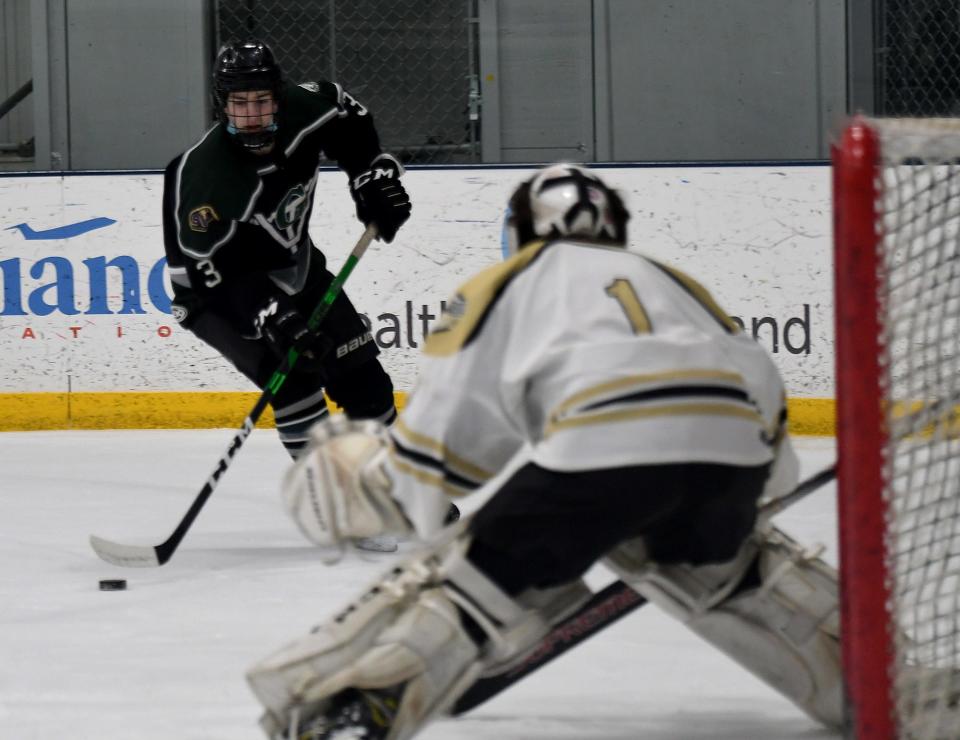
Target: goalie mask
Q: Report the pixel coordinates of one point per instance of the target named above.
(564, 201)
(246, 92)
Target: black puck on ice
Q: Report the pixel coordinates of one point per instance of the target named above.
(113, 584)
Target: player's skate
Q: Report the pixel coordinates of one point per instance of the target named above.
(388, 543)
(383, 543)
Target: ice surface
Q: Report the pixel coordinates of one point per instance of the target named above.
(165, 659)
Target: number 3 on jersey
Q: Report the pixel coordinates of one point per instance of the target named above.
(623, 293)
(207, 268)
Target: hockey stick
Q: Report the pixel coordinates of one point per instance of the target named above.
(146, 556)
(603, 609)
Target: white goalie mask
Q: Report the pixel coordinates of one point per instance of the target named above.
(564, 200)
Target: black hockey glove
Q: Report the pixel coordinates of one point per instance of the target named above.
(380, 196)
(284, 329)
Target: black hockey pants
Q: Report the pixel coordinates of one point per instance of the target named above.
(351, 374)
(544, 528)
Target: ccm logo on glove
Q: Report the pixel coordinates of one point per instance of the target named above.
(374, 174)
(380, 196)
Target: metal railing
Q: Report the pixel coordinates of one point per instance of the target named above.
(23, 149)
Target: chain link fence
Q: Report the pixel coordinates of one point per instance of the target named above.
(413, 63)
(918, 57)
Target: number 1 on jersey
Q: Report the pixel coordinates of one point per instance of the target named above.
(623, 293)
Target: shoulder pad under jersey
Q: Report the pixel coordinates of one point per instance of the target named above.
(216, 186)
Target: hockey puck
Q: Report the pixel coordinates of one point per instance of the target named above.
(117, 584)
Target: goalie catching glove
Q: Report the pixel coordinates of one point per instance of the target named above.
(380, 196)
(339, 488)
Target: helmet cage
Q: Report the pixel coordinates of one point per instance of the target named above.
(565, 201)
(244, 67)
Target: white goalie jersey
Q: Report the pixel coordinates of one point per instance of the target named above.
(593, 357)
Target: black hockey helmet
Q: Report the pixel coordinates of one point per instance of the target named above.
(565, 200)
(242, 66)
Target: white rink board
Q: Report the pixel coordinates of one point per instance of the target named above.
(758, 237)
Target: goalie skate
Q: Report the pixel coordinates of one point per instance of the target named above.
(353, 715)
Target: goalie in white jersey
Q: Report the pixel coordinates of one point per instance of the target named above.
(643, 427)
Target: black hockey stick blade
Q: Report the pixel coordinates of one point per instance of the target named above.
(603, 609)
(146, 556)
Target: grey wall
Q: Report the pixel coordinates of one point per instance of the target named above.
(735, 79)
(137, 86)
(655, 80)
(537, 80)
(118, 84)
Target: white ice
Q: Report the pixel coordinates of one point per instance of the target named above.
(165, 659)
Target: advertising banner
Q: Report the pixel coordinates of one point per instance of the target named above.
(85, 294)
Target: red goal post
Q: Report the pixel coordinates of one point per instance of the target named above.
(896, 208)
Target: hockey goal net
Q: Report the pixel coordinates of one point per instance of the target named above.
(897, 299)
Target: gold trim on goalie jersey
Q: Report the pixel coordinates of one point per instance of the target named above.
(699, 392)
(430, 478)
(700, 294)
(430, 461)
(465, 315)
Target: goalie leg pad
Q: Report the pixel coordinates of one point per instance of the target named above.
(511, 626)
(784, 629)
(403, 631)
(406, 635)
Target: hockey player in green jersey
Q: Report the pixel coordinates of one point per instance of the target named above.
(246, 275)
(616, 414)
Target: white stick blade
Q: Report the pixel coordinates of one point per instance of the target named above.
(126, 556)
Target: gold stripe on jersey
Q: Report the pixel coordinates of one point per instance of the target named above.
(635, 382)
(701, 295)
(428, 478)
(474, 300)
(674, 409)
(623, 293)
(455, 463)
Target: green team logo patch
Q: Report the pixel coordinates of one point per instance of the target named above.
(291, 207)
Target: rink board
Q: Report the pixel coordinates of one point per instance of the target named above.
(87, 339)
(166, 410)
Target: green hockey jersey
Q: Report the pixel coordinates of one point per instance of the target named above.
(235, 223)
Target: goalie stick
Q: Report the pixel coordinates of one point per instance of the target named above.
(147, 556)
(603, 609)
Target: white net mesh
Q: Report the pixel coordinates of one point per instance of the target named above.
(920, 295)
